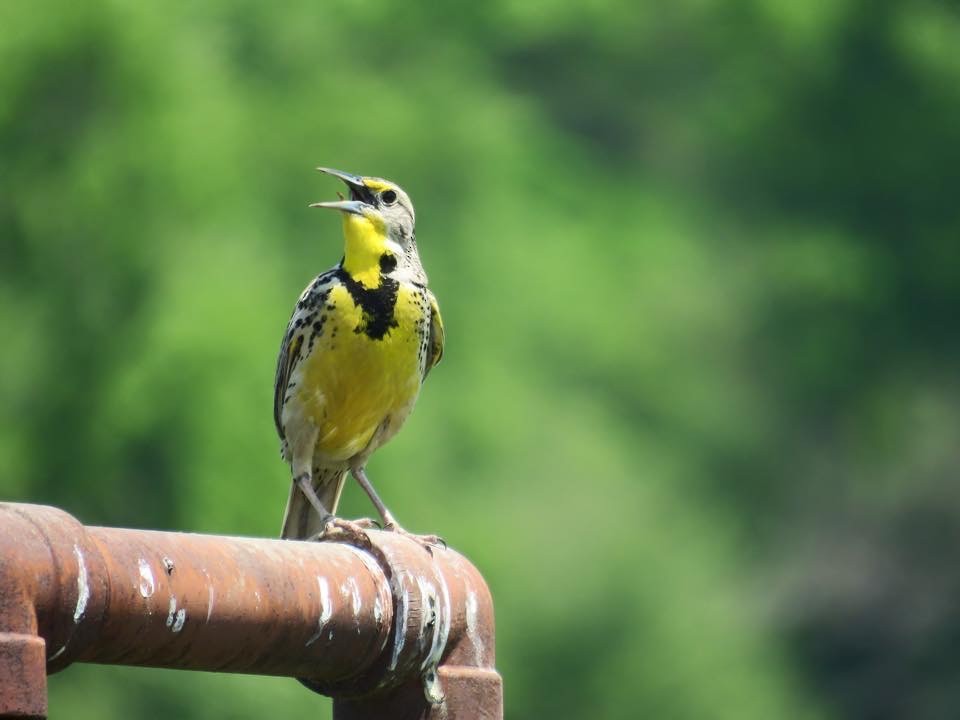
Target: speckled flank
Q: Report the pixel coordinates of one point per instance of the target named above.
(316, 293)
(305, 327)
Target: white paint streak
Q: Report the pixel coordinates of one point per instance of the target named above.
(437, 617)
(431, 687)
(401, 623)
(147, 584)
(376, 572)
(176, 618)
(83, 588)
(326, 610)
(57, 654)
(472, 628)
(357, 601)
(209, 601)
(440, 607)
(381, 583)
(378, 610)
(428, 605)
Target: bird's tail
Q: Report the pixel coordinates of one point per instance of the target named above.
(300, 519)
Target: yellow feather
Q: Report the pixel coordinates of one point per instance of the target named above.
(365, 240)
(352, 381)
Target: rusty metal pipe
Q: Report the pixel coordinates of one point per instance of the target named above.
(389, 632)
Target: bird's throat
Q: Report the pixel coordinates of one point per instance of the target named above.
(365, 241)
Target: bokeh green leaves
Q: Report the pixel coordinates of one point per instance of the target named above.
(697, 419)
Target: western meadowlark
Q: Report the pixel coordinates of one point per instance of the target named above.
(362, 338)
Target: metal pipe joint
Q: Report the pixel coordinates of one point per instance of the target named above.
(387, 631)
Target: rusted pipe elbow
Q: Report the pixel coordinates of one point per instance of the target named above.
(27, 575)
(440, 659)
(394, 632)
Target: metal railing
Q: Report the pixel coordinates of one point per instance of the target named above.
(392, 631)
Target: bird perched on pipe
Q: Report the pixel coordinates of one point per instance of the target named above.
(362, 339)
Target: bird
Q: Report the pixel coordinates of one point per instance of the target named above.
(362, 338)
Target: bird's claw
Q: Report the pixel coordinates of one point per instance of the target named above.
(427, 542)
(367, 523)
(351, 532)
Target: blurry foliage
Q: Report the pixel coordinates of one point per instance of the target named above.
(698, 418)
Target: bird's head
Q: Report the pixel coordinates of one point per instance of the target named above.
(378, 228)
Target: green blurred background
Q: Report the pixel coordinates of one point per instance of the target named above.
(698, 420)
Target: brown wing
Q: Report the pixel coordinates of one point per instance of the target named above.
(289, 354)
(436, 335)
(314, 295)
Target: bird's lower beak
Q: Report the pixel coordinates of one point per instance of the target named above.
(349, 206)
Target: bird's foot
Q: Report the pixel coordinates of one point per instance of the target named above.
(427, 542)
(366, 523)
(352, 532)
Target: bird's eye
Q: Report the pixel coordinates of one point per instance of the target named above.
(389, 197)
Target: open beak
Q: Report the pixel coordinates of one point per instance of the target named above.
(350, 206)
(359, 192)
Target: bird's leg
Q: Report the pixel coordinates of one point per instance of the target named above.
(389, 522)
(306, 487)
(334, 529)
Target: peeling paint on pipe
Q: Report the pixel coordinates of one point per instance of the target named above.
(402, 640)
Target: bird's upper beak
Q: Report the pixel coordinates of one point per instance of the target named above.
(361, 197)
(352, 181)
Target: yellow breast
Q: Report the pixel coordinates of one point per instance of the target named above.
(352, 382)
